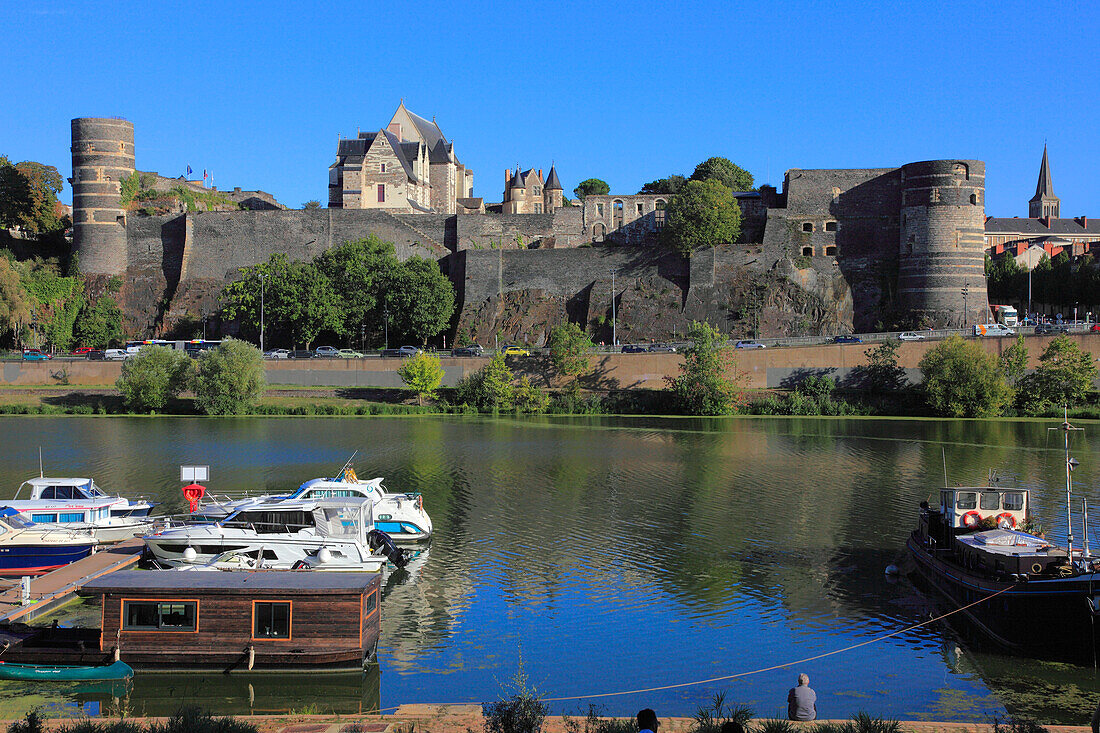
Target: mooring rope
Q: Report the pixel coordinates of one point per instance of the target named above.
(772, 668)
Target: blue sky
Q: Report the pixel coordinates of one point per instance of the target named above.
(258, 93)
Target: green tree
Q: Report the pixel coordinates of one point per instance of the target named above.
(1014, 360)
(726, 172)
(100, 324)
(702, 214)
(153, 376)
(15, 304)
(962, 380)
(703, 387)
(668, 185)
(526, 397)
(1064, 376)
(489, 388)
(570, 350)
(230, 379)
(591, 186)
(420, 299)
(365, 268)
(313, 204)
(423, 374)
(882, 373)
(28, 197)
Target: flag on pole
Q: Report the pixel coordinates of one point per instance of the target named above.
(204, 176)
(188, 170)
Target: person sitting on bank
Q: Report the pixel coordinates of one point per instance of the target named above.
(647, 721)
(802, 701)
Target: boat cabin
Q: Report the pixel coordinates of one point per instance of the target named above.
(964, 508)
(238, 621)
(64, 500)
(326, 488)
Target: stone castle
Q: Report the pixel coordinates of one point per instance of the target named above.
(833, 251)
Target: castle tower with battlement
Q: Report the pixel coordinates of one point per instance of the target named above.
(103, 155)
(941, 260)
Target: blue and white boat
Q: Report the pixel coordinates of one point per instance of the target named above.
(78, 504)
(401, 516)
(30, 549)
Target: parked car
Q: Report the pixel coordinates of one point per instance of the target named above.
(349, 354)
(662, 349)
(1095, 328)
(409, 351)
(94, 355)
(635, 349)
(515, 350)
(277, 354)
(300, 354)
(469, 350)
(1050, 328)
(81, 350)
(911, 336)
(327, 352)
(748, 344)
(34, 355)
(116, 354)
(847, 339)
(992, 329)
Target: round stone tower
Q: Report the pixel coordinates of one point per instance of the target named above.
(941, 263)
(103, 155)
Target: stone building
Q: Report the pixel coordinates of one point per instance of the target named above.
(527, 192)
(1043, 230)
(408, 167)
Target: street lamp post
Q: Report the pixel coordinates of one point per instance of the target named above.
(614, 330)
(966, 289)
(262, 313)
(386, 318)
(1029, 269)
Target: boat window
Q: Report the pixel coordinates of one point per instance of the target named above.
(271, 620)
(270, 522)
(1014, 501)
(159, 615)
(71, 517)
(966, 500)
(991, 500)
(371, 602)
(18, 522)
(49, 518)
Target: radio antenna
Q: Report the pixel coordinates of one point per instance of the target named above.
(943, 451)
(41, 474)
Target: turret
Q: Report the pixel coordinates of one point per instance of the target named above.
(941, 260)
(103, 155)
(552, 193)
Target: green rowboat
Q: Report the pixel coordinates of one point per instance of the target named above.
(64, 672)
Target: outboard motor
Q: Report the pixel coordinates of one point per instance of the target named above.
(377, 539)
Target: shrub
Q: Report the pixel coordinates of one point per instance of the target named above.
(711, 719)
(154, 375)
(570, 350)
(962, 380)
(522, 712)
(231, 379)
(775, 725)
(423, 374)
(863, 723)
(702, 388)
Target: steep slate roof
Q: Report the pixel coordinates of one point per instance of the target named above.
(552, 182)
(1045, 185)
(396, 145)
(517, 180)
(995, 225)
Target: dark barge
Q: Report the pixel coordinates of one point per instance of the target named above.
(266, 620)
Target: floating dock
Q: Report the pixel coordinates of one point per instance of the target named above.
(58, 587)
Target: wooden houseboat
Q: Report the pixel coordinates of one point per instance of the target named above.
(226, 621)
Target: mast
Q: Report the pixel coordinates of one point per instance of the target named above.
(1065, 427)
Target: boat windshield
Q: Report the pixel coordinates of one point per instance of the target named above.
(18, 521)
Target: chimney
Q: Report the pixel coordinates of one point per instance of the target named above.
(540, 175)
(1083, 221)
(507, 177)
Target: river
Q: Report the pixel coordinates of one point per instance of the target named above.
(606, 555)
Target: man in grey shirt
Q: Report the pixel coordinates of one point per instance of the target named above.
(802, 701)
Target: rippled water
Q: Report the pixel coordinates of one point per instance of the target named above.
(613, 555)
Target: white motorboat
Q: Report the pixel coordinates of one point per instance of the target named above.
(79, 504)
(30, 549)
(323, 560)
(401, 516)
(280, 536)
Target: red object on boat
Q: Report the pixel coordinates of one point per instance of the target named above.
(193, 492)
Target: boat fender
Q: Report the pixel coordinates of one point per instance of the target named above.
(251, 656)
(1006, 521)
(970, 519)
(118, 654)
(420, 502)
(891, 569)
(189, 554)
(1036, 568)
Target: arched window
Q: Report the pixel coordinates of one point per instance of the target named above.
(659, 205)
(830, 251)
(962, 169)
(807, 251)
(617, 213)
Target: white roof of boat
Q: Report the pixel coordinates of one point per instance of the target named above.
(256, 580)
(47, 481)
(1007, 542)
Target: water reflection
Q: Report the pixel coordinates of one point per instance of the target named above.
(616, 554)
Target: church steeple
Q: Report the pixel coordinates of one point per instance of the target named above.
(1044, 203)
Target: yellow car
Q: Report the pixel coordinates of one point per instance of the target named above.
(514, 350)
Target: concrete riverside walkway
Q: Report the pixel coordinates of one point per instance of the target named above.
(58, 587)
(468, 719)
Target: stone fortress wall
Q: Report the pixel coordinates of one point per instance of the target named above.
(833, 251)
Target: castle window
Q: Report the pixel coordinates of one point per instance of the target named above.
(974, 199)
(381, 193)
(807, 251)
(383, 167)
(598, 232)
(599, 210)
(659, 205)
(807, 226)
(934, 196)
(830, 251)
(641, 210)
(830, 226)
(961, 169)
(538, 208)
